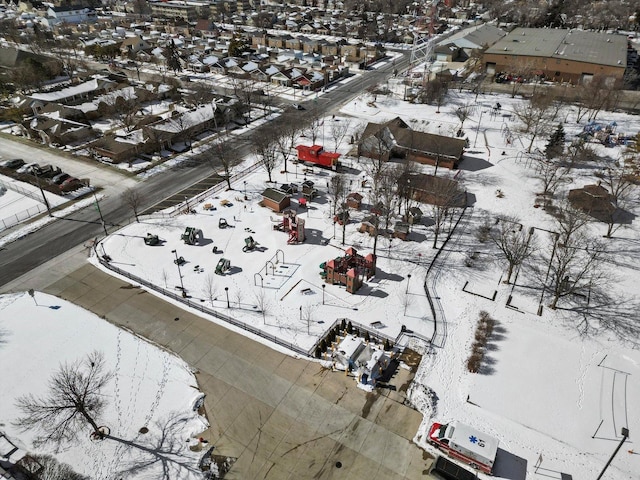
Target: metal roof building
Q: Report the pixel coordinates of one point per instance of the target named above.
(558, 54)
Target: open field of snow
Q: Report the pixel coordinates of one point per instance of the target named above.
(151, 388)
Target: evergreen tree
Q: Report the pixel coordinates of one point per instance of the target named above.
(555, 146)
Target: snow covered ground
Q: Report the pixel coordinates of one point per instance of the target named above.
(547, 390)
(151, 388)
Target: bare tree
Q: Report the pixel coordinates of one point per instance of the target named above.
(223, 154)
(601, 92)
(239, 295)
(575, 267)
(287, 139)
(388, 196)
(513, 242)
(550, 173)
(267, 150)
(337, 190)
(339, 130)
(619, 182)
(164, 275)
(311, 127)
(536, 116)
(125, 105)
(133, 199)
(464, 112)
(74, 400)
(244, 90)
(569, 221)
(520, 68)
(447, 195)
(210, 288)
(263, 304)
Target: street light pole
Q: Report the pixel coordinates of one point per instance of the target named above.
(408, 279)
(323, 287)
(625, 435)
(184, 293)
(226, 290)
(104, 226)
(477, 129)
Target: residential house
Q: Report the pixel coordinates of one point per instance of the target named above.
(132, 45)
(70, 14)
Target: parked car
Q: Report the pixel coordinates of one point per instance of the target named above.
(28, 168)
(59, 178)
(297, 106)
(70, 184)
(47, 171)
(13, 163)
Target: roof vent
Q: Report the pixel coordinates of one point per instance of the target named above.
(608, 40)
(505, 49)
(523, 33)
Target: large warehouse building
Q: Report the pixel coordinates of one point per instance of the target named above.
(560, 55)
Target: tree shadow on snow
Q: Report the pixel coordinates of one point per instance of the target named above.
(162, 447)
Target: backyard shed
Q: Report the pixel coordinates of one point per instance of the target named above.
(276, 200)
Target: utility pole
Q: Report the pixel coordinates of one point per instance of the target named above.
(46, 202)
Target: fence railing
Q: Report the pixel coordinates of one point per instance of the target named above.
(22, 191)
(16, 218)
(199, 306)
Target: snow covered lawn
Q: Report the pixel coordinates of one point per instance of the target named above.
(151, 388)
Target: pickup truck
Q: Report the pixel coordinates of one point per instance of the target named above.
(448, 470)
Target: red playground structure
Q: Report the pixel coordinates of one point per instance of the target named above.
(349, 270)
(294, 225)
(316, 154)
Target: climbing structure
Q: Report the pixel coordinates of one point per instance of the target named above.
(350, 270)
(292, 224)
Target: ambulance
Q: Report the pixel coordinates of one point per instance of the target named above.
(466, 444)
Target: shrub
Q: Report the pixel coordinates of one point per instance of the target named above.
(473, 362)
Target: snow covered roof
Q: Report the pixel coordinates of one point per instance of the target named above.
(188, 119)
(68, 92)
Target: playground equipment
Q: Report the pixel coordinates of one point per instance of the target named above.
(224, 265)
(151, 239)
(180, 261)
(349, 270)
(293, 224)
(222, 223)
(192, 235)
(249, 244)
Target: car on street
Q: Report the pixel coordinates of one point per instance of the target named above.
(13, 163)
(297, 106)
